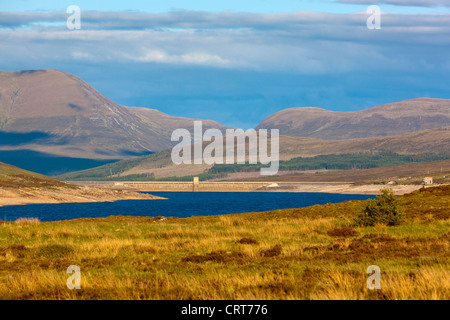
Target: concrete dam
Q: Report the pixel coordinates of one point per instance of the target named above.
(186, 186)
(203, 186)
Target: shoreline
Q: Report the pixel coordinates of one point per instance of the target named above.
(82, 194)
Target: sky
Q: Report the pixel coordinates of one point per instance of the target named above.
(237, 62)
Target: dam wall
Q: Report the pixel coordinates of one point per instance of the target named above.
(186, 186)
(193, 187)
(216, 186)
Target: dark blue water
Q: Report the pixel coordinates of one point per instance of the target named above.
(179, 204)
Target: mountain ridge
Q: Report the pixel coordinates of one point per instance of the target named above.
(384, 120)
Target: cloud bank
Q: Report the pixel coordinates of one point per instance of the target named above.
(303, 42)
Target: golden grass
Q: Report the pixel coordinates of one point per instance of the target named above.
(309, 253)
(27, 220)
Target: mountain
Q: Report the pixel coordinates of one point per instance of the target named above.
(384, 120)
(57, 113)
(430, 142)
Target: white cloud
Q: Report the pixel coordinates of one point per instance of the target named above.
(194, 58)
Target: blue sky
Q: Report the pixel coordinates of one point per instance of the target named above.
(260, 6)
(237, 62)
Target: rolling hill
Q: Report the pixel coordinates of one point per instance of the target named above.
(384, 120)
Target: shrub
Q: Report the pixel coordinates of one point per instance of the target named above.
(385, 209)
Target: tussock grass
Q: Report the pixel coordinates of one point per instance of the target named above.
(308, 253)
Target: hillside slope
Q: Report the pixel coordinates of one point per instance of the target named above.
(14, 177)
(18, 186)
(160, 164)
(411, 173)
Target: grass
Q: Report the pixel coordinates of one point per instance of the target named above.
(307, 253)
(27, 220)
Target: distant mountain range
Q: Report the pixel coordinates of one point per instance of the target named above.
(53, 114)
(384, 120)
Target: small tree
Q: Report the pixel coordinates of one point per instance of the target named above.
(385, 209)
